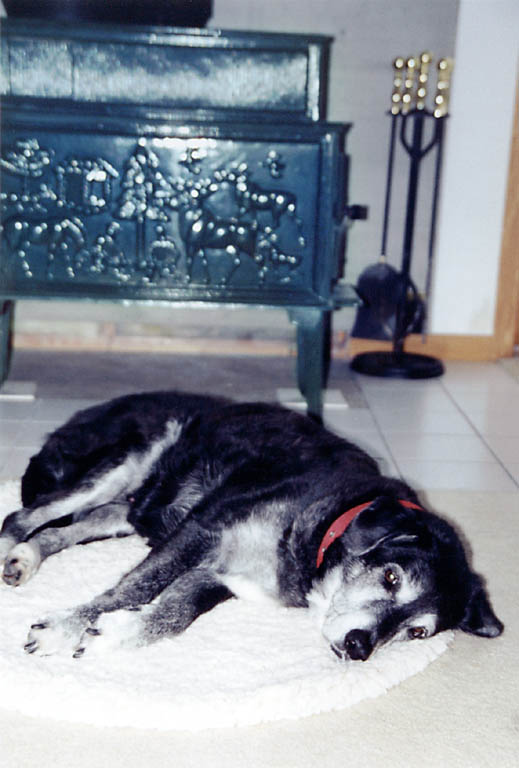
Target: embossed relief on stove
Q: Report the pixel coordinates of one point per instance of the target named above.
(169, 211)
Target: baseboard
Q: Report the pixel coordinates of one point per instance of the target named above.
(155, 345)
(445, 347)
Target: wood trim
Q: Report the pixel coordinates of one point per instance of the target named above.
(446, 347)
(506, 327)
(475, 348)
(155, 345)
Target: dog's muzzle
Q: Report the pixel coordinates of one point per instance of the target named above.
(357, 646)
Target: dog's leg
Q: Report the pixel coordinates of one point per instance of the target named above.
(105, 522)
(191, 595)
(95, 491)
(140, 586)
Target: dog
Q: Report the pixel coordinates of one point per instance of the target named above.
(244, 500)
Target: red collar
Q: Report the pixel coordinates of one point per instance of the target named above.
(338, 527)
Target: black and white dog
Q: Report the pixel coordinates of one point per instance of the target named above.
(236, 500)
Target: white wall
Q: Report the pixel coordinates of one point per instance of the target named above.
(476, 165)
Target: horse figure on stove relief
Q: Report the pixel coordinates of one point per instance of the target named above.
(64, 238)
(202, 230)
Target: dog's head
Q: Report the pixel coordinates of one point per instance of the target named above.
(397, 573)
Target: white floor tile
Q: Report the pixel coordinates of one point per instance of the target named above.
(17, 410)
(511, 366)
(500, 421)
(514, 471)
(456, 475)
(474, 375)
(419, 399)
(4, 455)
(423, 421)
(372, 385)
(15, 463)
(9, 432)
(346, 421)
(437, 447)
(506, 448)
(33, 433)
(60, 410)
(18, 391)
(388, 467)
(486, 401)
(292, 396)
(373, 443)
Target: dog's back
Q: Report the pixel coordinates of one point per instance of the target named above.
(102, 436)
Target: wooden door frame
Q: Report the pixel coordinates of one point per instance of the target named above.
(506, 327)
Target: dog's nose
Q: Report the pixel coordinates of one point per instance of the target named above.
(357, 644)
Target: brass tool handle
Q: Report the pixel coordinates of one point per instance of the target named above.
(409, 84)
(398, 81)
(443, 87)
(423, 76)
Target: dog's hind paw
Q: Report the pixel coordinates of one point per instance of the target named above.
(59, 634)
(21, 563)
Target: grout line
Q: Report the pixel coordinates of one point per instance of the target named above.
(467, 419)
(382, 435)
(509, 373)
(479, 434)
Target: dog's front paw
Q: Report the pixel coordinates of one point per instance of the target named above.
(6, 545)
(118, 629)
(21, 563)
(58, 634)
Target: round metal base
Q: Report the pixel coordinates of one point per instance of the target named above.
(397, 365)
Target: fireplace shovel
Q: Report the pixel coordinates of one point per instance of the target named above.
(384, 290)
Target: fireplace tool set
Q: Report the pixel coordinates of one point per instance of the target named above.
(392, 307)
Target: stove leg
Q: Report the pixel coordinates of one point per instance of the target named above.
(6, 321)
(313, 355)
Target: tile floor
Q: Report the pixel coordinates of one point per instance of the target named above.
(460, 431)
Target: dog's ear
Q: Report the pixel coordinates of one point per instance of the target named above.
(385, 520)
(479, 618)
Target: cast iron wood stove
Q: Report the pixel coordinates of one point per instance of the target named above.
(173, 165)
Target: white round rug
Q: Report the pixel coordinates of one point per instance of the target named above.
(240, 664)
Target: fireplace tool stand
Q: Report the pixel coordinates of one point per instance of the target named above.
(408, 109)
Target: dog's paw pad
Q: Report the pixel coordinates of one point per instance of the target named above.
(20, 564)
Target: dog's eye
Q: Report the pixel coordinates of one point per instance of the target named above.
(417, 633)
(390, 577)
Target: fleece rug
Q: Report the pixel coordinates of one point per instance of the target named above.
(241, 664)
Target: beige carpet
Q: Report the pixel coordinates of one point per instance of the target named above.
(462, 710)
